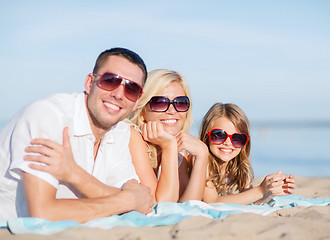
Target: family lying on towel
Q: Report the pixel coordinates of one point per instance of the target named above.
(122, 145)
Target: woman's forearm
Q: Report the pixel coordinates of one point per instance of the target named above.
(168, 183)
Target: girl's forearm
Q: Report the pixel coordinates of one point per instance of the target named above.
(247, 197)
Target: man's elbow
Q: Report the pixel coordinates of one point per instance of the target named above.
(41, 212)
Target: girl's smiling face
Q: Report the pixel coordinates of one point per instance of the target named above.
(172, 120)
(225, 151)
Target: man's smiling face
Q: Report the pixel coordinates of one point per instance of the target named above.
(106, 108)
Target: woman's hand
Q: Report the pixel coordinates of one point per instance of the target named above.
(154, 133)
(191, 144)
(57, 158)
(192, 187)
(168, 183)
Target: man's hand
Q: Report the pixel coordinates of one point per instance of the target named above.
(140, 195)
(57, 159)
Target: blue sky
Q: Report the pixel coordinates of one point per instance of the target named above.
(272, 58)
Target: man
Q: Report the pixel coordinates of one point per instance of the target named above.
(93, 135)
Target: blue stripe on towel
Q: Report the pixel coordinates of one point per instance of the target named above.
(38, 225)
(3, 224)
(164, 213)
(295, 200)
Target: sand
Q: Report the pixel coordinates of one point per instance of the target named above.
(293, 223)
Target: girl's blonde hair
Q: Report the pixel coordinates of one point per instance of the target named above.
(157, 80)
(239, 173)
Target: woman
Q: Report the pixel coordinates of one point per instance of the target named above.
(164, 116)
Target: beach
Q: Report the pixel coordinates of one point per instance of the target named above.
(287, 223)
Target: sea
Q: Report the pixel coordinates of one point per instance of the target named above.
(297, 148)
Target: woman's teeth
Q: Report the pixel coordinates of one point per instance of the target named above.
(169, 121)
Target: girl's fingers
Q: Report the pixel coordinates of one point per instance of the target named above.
(288, 176)
(270, 177)
(274, 178)
(289, 190)
(289, 185)
(278, 193)
(279, 178)
(276, 184)
(289, 180)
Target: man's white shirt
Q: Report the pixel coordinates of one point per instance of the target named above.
(46, 118)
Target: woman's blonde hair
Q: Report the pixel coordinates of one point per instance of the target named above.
(239, 173)
(157, 80)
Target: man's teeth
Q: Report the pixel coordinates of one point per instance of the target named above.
(113, 107)
(169, 121)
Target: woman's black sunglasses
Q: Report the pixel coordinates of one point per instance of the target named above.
(162, 104)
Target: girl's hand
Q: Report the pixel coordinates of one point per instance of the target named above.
(58, 159)
(191, 144)
(154, 133)
(277, 184)
(289, 184)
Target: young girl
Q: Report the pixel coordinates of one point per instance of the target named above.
(225, 130)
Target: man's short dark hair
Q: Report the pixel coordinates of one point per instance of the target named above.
(122, 52)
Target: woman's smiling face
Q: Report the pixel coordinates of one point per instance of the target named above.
(172, 120)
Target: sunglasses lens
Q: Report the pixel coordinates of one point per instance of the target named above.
(158, 104)
(182, 103)
(239, 139)
(109, 82)
(218, 136)
(132, 90)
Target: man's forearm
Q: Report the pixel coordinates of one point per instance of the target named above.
(83, 210)
(41, 202)
(89, 186)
